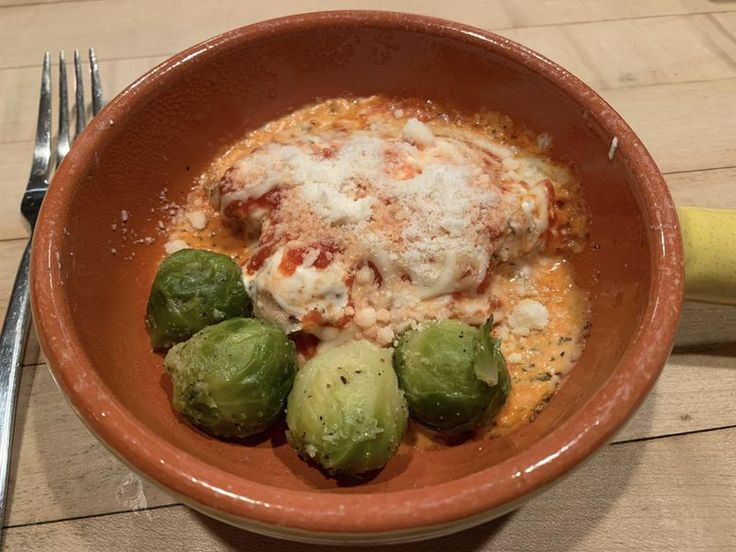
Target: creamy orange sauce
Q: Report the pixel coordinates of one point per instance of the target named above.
(538, 359)
(538, 362)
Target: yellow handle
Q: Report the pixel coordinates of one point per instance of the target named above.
(709, 237)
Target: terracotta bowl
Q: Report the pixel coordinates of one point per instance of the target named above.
(89, 303)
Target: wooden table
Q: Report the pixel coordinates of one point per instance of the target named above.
(668, 482)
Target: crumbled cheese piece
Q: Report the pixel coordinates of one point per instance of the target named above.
(383, 316)
(124, 215)
(385, 335)
(613, 148)
(527, 315)
(514, 357)
(175, 245)
(364, 276)
(417, 133)
(398, 113)
(365, 317)
(197, 219)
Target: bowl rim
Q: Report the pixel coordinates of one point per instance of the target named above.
(474, 496)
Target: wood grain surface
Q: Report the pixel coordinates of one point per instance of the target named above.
(668, 482)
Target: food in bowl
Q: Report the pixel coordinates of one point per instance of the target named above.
(454, 376)
(378, 223)
(232, 379)
(193, 289)
(346, 411)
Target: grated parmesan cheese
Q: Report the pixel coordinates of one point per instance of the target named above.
(334, 206)
(175, 245)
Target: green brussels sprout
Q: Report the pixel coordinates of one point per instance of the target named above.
(193, 288)
(454, 376)
(232, 379)
(346, 411)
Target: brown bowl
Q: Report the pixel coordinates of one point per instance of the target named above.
(89, 303)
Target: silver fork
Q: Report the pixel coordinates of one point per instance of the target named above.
(17, 318)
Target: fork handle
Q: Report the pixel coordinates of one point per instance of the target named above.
(12, 343)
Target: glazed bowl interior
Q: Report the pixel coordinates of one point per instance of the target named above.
(91, 280)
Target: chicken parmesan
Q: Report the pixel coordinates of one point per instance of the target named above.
(358, 219)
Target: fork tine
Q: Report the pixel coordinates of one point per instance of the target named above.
(62, 140)
(97, 99)
(42, 149)
(79, 93)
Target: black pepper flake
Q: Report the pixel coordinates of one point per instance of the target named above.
(358, 371)
(564, 339)
(328, 386)
(344, 380)
(562, 354)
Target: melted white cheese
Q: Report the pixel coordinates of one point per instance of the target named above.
(286, 298)
(428, 206)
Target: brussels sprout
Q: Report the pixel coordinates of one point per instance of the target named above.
(193, 288)
(346, 411)
(454, 375)
(232, 379)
